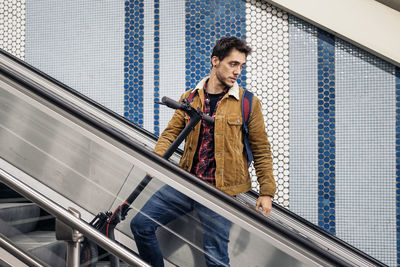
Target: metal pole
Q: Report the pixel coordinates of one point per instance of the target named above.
(73, 246)
(73, 238)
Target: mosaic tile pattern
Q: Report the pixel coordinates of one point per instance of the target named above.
(156, 66)
(303, 119)
(133, 66)
(365, 163)
(12, 27)
(172, 54)
(267, 30)
(326, 131)
(86, 52)
(148, 66)
(397, 83)
(207, 22)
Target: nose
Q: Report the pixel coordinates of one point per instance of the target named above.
(237, 70)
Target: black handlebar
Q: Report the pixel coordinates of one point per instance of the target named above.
(171, 103)
(208, 118)
(185, 107)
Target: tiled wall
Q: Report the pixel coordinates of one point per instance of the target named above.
(365, 127)
(133, 61)
(342, 140)
(81, 44)
(331, 109)
(397, 195)
(206, 22)
(267, 32)
(12, 30)
(303, 117)
(326, 130)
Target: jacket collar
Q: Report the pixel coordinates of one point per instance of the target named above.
(233, 91)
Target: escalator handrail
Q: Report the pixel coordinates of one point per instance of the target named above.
(113, 133)
(316, 230)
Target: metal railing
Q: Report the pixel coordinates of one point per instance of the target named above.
(18, 253)
(71, 220)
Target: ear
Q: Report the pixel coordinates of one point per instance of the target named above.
(215, 61)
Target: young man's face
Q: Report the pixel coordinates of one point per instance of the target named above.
(229, 69)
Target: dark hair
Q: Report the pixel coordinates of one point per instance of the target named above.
(224, 46)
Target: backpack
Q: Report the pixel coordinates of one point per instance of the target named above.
(247, 102)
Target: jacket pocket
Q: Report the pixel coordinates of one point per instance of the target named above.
(235, 121)
(234, 130)
(234, 146)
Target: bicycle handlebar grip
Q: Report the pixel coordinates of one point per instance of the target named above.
(171, 103)
(176, 105)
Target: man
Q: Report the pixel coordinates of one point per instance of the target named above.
(215, 154)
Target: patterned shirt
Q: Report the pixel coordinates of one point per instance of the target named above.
(204, 159)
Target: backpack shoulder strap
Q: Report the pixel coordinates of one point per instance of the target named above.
(247, 103)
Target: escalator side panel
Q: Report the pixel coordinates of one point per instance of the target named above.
(91, 163)
(58, 155)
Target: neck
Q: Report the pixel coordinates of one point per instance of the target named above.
(214, 86)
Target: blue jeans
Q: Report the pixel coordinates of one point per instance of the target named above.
(168, 204)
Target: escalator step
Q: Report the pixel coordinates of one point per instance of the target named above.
(44, 246)
(18, 218)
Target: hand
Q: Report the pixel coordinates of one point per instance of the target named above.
(265, 202)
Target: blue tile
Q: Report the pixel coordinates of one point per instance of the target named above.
(397, 86)
(326, 126)
(133, 60)
(156, 73)
(205, 24)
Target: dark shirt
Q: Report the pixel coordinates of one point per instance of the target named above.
(214, 98)
(204, 159)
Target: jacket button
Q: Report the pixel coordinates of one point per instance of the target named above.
(186, 166)
(190, 148)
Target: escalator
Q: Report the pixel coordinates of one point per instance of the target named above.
(81, 155)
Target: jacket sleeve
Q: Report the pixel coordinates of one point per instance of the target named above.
(261, 150)
(171, 132)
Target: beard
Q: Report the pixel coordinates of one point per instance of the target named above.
(222, 81)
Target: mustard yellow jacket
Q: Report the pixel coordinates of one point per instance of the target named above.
(231, 174)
